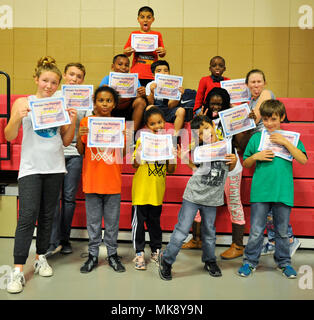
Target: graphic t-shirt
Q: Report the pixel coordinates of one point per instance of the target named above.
(149, 182)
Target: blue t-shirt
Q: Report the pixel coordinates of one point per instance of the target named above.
(105, 81)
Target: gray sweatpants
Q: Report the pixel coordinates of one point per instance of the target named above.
(98, 206)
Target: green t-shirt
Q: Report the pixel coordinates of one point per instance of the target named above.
(272, 180)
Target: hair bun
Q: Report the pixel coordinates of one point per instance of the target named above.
(46, 61)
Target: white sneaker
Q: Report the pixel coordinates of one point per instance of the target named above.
(16, 281)
(42, 267)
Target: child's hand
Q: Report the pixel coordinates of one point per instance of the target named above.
(73, 114)
(202, 113)
(181, 89)
(83, 131)
(129, 50)
(231, 159)
(141, 92)
(138, 154)
(152, 87)
(265, 155)
(278, 138)
(252, 115)
(161, 51)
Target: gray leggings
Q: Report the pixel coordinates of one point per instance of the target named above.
(38, 195)
(98, 206)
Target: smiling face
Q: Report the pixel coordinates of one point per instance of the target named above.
(217, 67)
(122, 64)
(272, 123)
(155, 122)
(73, 75)
(47, 84)
(207, 133)
(104, 104)
(256, 84)
(145, 19)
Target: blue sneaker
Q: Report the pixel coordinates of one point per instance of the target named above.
(294, 246)
(268, 248)
(246, 270)
(288, 272)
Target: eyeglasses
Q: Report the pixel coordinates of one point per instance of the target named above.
(215, 104)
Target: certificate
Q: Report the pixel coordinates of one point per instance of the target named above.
(212, 152)
(48, 113)
(168, 86)
(236, 120)
(105, 132)
(144, 42)
(79, 97)
(156, 146)
(277, 149)
(237, 90)
(125, 83)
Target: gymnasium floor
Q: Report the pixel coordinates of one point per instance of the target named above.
(190, 281)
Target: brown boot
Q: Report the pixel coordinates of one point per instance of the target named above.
(236, 249)
(195, 242)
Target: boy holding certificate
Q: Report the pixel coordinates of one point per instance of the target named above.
(74, 74)
(101, 179)
(128, 108)
(204, 192)
(148, 190)
(143, 60)
(171, 109)
(272, 188)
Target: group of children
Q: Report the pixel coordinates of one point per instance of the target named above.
(53, 160)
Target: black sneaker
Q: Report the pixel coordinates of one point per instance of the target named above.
(115, 263)
(66, 248)
(213, 269)
(164, 268)
(90, 264)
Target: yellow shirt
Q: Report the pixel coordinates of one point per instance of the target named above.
(149, 182)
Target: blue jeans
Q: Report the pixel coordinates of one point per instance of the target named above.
(63, 216)
(281, 216)
(186, 217)
(270, 228)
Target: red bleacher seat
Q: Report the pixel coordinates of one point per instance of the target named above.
(299, 109)
(302, 216)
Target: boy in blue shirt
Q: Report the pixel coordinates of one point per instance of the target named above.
(272, 188)
(128, 108)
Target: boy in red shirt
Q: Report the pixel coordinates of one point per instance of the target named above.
(142, 60)
(217, 67)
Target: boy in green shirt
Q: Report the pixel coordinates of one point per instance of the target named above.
(272, 188)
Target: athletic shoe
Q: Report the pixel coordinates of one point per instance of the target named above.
(268, 248)
(115, 263)
(66, 248)
(53, 249)
(89, 264)
(294, 246)
(154, 256)
(288, 272)
(213, 269)
(42, 267)
(245, 270)
(139, 261)
(164, 268)
(16, 281)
